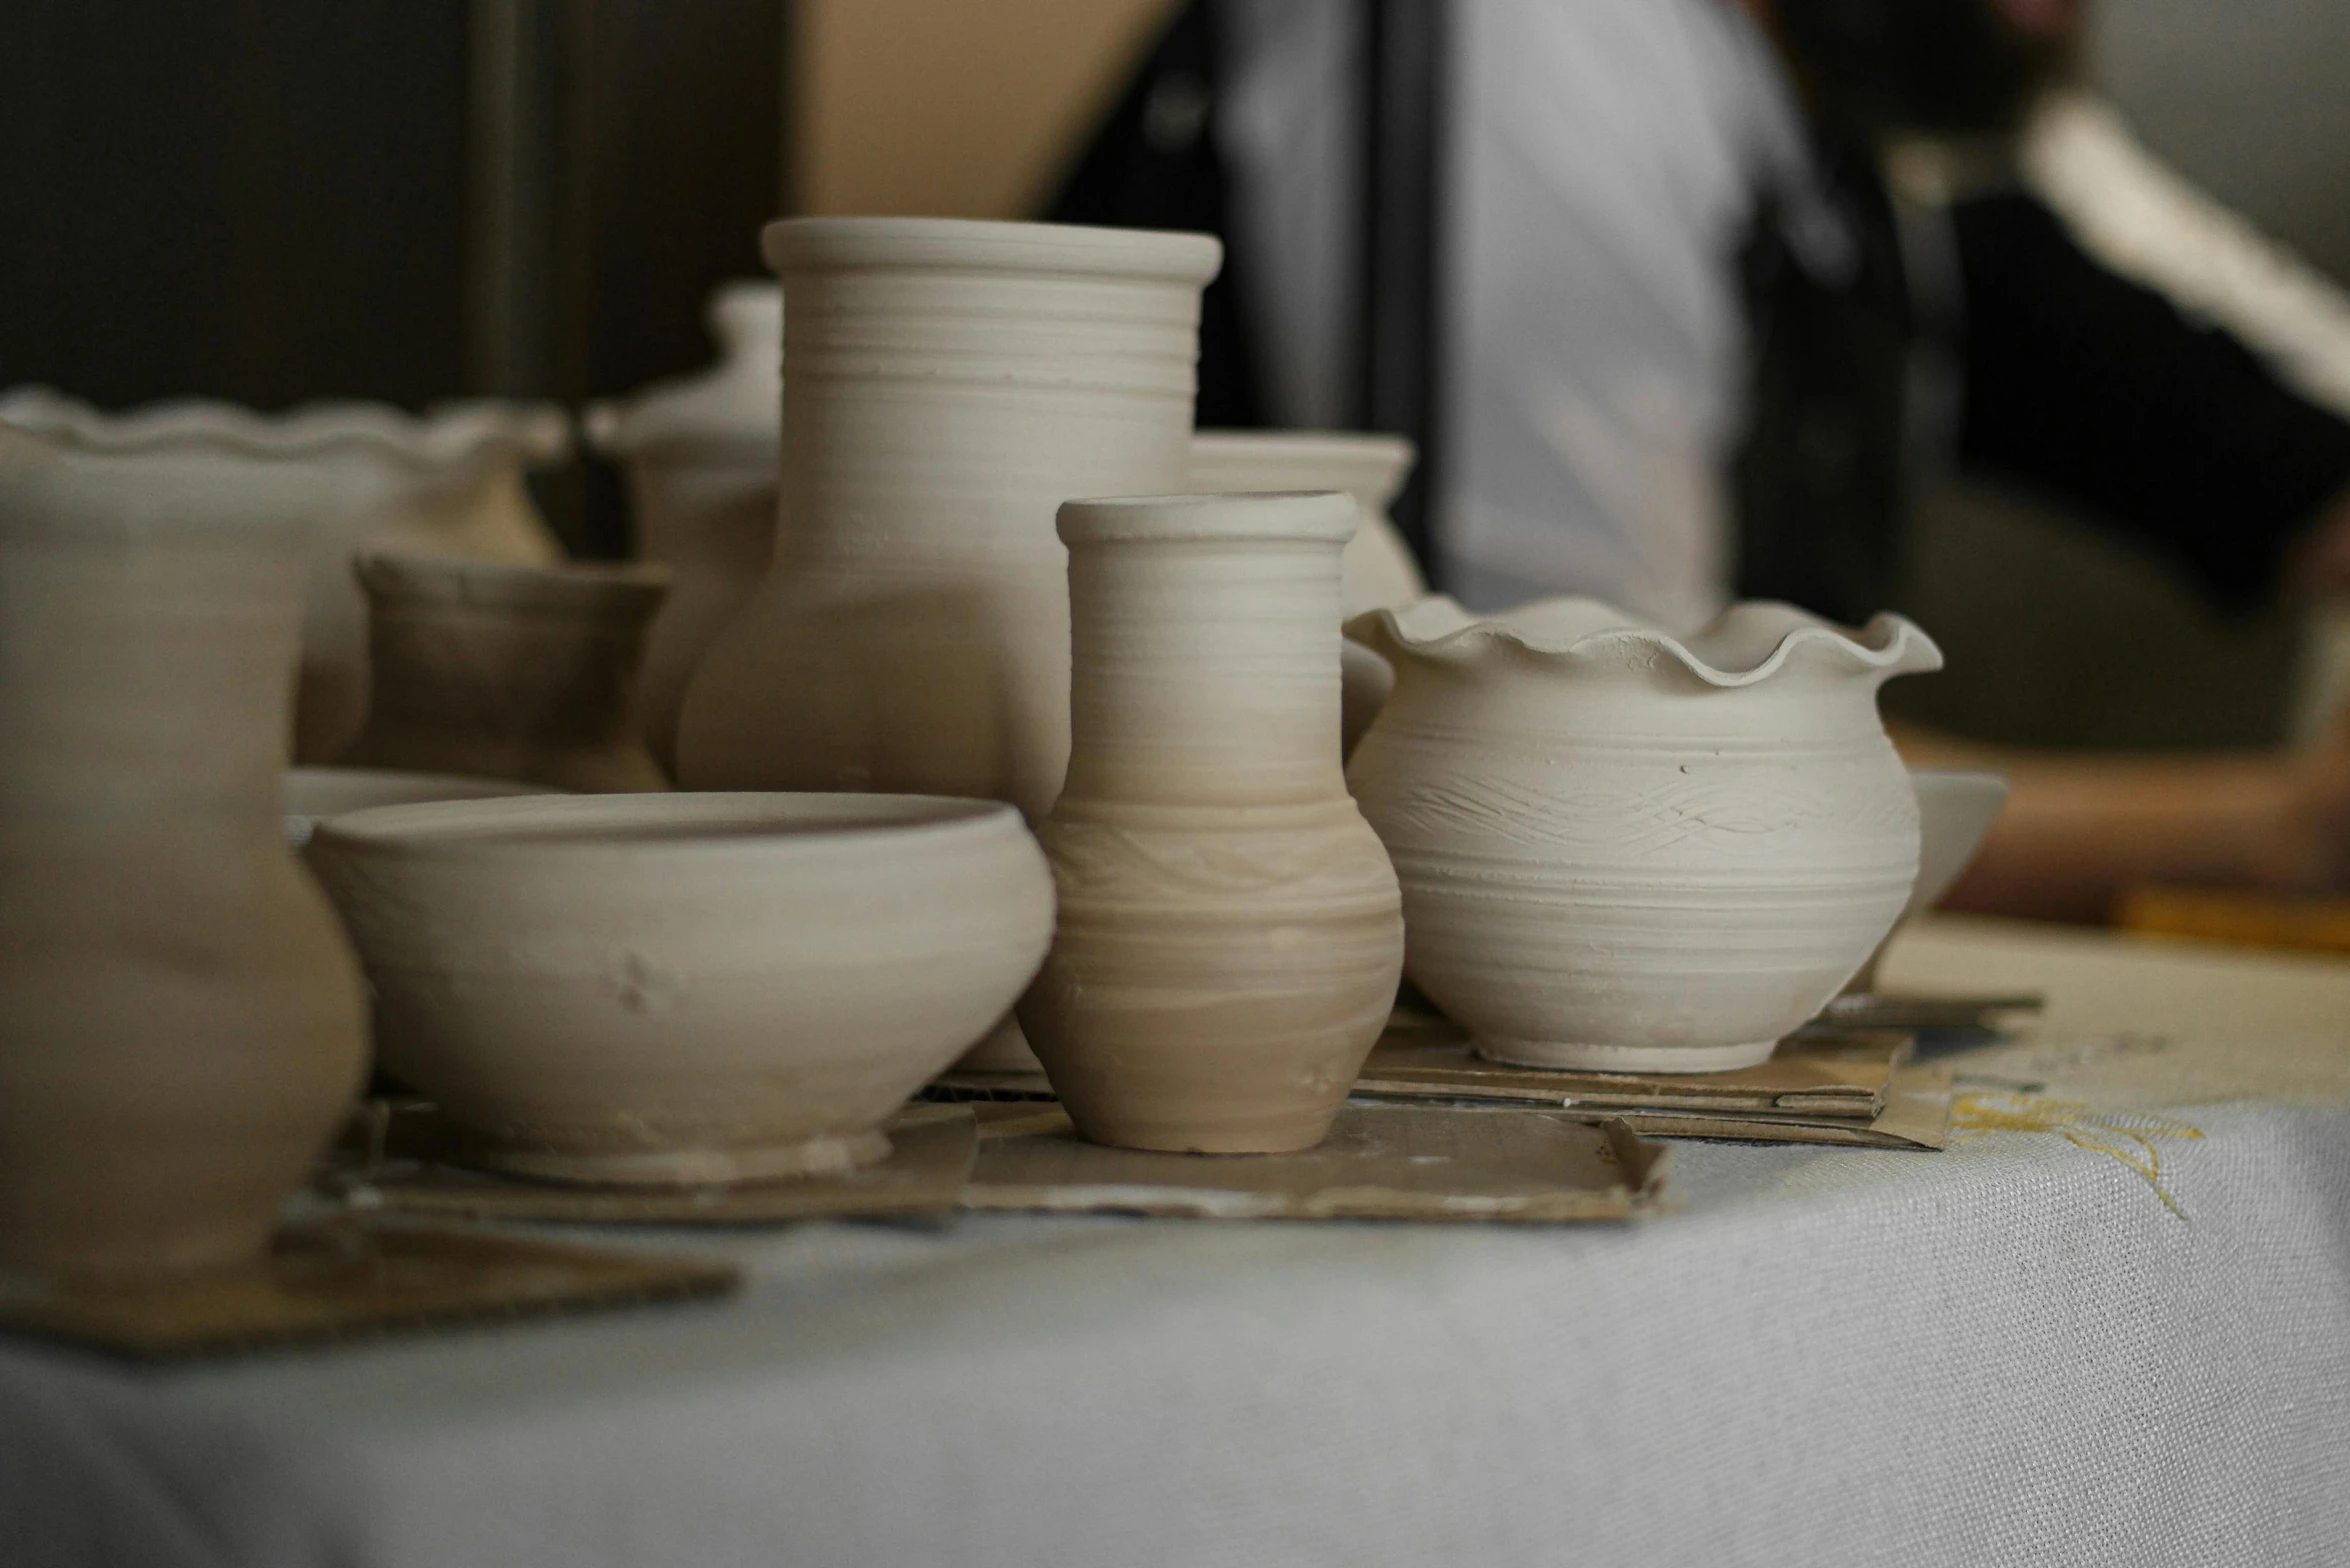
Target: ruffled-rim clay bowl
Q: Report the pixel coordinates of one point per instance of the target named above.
(536, 434)
(684, 988)
(308, 796)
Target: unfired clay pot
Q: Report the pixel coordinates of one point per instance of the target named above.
(181, 1025)
(1230, 931)
(1379, 572)
(701, 454)
(512, 672)
(308, 796)
(1624, 850)
(449, 482)
(951, 383)
(684, 988)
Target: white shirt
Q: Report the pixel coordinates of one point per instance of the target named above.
(1604, 160)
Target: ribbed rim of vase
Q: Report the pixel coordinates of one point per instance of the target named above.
(447, 435)
(1370, 466)
(1747, 643)
(715, 824)
(969, 244)
(412, 575)
(1305, 516)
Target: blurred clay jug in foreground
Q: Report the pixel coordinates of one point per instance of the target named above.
(183, 1024)
(1623, 850)
(1230, 933)
(701, 454)
(511, 672)
(447, 482)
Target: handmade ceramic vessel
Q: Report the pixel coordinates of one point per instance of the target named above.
(180, 1021)
(449, 482)
(1956, 808)
(510, 672)
(951, 384)
(1230, 931)
(701, 454)
(1624, 850)
(1379, 571)
(308, 796)
(684, 988)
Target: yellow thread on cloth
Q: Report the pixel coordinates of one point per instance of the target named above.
(2129, 1139)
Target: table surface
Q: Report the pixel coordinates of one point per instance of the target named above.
(2110, 1324)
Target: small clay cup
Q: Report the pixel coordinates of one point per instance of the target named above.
(499, 671)
(688, 988)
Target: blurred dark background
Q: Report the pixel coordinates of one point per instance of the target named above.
(276, 200)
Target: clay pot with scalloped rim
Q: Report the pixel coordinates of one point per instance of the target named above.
(1624, 850)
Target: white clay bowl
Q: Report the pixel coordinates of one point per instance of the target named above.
(1956, 808)
(308, 796)
(688, 988)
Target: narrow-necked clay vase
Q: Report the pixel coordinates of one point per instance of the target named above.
(1379, 573)
(510, 672)
(181, 1025)
(1623, 850)
(685, 988)
(951, 383)
(701, 454)
(1230, 931)
(448, 482)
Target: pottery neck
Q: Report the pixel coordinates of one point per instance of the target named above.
(1206, 666)
(145, 661)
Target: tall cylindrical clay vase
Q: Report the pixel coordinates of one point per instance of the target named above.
(949, 384)
(181, 1024)
(511, 672)
(1230, 931)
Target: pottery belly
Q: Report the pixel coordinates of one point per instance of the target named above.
(1674, 906)
(1214, 992)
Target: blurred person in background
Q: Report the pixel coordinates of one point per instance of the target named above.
(1719, 279)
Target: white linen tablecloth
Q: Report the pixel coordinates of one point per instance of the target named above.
(2121, 1339)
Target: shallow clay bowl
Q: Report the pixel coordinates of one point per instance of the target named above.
(693, 988)
(308, 796)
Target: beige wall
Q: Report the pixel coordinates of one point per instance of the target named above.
(960, 108)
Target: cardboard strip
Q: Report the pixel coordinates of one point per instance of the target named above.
(1916, 1116)
(1840, 1075)
(1402, 1162)
(931, 1149)
(346, 1279)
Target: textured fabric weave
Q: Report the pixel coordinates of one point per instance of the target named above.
(2016, 1352)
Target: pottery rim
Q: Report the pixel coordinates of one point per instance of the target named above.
(1746, 644)
(715, 824)
(450, 434)
(1306, 516)
(971, 244)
